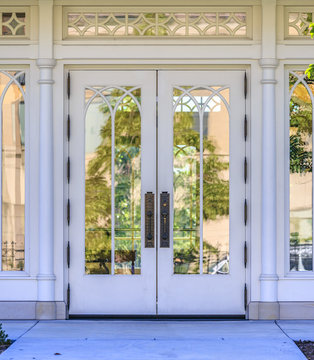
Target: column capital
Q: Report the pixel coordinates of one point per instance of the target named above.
(268, 63)
(46, 63)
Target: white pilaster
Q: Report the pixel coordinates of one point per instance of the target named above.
(46, 63)
(268, 62)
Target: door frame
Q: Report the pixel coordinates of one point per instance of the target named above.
(68, 67)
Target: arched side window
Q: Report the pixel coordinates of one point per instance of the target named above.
(301, 166)
(12, 137)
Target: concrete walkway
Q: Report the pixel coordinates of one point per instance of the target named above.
(155, 340)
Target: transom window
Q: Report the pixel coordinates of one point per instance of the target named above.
(171, 22)
(13, 22)
(298, 21)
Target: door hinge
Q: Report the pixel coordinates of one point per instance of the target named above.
(245, 254)
(245, 212)
(68, 170)
(69, 85)
(245, 127)
(68, 297)
(68, 254)
(68, 212)
(245, 85)
(68, 128)
(245, 296)
(245, 170)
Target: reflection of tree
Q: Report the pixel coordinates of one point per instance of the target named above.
(301, 108)
(127, 183)
(310, 71)
(300, 129)
(187, 189)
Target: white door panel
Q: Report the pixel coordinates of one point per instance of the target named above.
(93, 291)
(186, 284)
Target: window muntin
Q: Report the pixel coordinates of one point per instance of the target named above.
(298, 21)
(12, 118)
(177, 23)
(301, 181)
(14, 22)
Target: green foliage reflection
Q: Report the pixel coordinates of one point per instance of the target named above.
(186, 182)
(127, 165)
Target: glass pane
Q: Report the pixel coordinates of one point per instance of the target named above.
(186, 185)
(97, 186)
(216, 185)
(125, 183)
(128, 186)
(201, 164)
(301, 184)
(13, 173)
(155, 24)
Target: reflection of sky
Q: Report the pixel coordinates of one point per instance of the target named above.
(95, 120)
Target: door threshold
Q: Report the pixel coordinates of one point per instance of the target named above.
(156, 317)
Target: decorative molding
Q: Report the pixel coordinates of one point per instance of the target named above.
(268, 63)
(269, 277)
(46, 63)
(82, 23)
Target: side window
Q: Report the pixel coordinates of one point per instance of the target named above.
(12, 116)
(301, 165)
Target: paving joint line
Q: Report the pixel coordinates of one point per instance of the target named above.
(27, 330)
(283, 330)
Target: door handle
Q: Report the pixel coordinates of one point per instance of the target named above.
(164, 220)
(149, 220)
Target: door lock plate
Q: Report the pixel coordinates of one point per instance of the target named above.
(164, 220)
(149, 220)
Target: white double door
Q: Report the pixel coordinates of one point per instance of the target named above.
(156, 193)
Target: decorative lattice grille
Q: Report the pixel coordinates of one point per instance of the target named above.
(13, 22)
(299, 22)
(172, 23)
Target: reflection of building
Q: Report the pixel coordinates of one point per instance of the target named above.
(13, 174)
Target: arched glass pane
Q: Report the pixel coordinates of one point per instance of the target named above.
(186, 186)
(113, 198)
(201, 181)
(97, 186)
(301, 183)
(13, 174)
(128, 186)
(216, 186)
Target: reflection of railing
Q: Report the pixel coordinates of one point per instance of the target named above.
(301, 257)
(102, 257)
(220, 266)
(13, 258)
